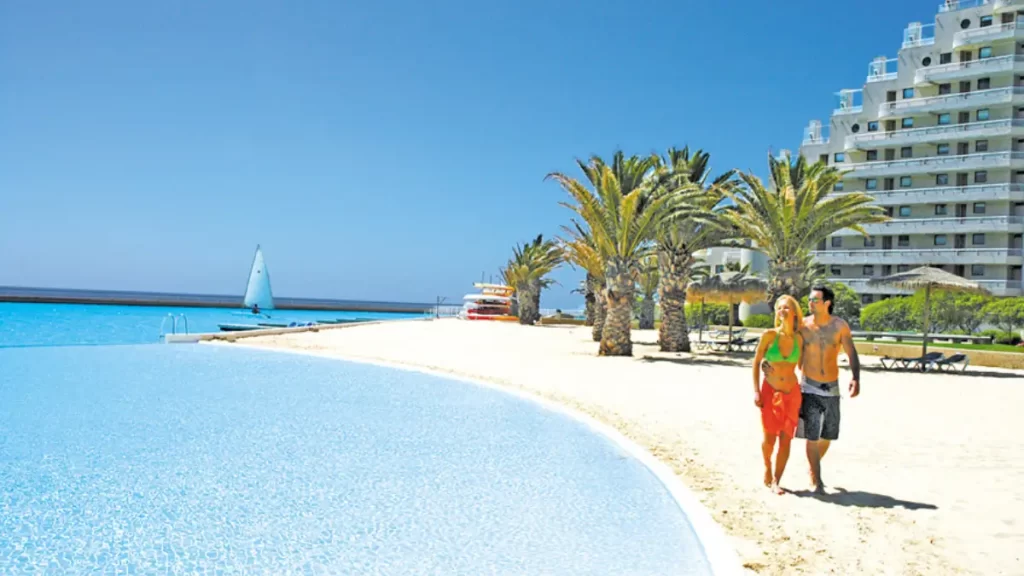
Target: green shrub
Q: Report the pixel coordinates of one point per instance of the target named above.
(1008, 338)
(713, 314)
(891, 315)
(759, 321)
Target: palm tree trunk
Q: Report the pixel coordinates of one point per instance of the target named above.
(535, 290)
(527, 312)
(674, 334)
(589, 299)
(616, 338)
(647, 312)
(600, 311)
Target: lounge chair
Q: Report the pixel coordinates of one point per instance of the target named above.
(951, 362)
(920, 361)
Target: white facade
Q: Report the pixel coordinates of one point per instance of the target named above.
(936, 136)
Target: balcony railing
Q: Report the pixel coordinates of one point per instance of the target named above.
(1004, 4)
(905, 255)
(938, 225)
(980, 66)
(950, 194)
(990, 127)
(861, 286)
(950, 101)
(944, 162)
(954, 5)
(965, 37)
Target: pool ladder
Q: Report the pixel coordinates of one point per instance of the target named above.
(174, 321)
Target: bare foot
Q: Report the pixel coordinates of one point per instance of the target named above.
(775, 488)
(819, 487)
(768, 478)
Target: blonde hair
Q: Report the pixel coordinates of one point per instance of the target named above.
(792, 303)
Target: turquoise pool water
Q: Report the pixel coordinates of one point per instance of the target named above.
(194, 459)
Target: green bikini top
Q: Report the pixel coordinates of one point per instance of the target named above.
(773, 354)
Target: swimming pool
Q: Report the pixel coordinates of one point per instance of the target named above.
(189, 459)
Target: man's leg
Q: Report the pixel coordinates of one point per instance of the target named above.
(767, 447)
(815, 450)
(780, 460)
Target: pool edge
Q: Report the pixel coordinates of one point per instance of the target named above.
(721, 556)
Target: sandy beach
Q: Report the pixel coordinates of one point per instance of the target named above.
(927, 476)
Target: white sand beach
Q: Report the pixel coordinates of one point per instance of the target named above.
(927, 476)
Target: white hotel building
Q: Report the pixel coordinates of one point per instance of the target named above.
(936, 136)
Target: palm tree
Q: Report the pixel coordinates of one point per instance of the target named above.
(621, 214)
(648, 281)
(580, 250)
(695, 223)
(788, 218)
(527, 272)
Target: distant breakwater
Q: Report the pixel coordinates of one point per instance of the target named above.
(126, 298)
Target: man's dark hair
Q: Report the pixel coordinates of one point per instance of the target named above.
(827, 294)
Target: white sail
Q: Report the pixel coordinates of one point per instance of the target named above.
(257, 292)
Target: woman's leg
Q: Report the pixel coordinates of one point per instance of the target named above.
(780, 460)
(767, 447)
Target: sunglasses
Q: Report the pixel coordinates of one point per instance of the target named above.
(814, 299)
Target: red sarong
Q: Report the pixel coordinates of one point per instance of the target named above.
(779, 411)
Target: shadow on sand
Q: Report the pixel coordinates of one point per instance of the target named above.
(703, 360)
(859, 499)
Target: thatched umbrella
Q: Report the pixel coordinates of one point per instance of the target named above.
(729, 288)
(927, 277)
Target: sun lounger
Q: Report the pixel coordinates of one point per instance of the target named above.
(905, 363)
(951, 362)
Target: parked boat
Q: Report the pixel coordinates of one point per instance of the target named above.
(258, 295)
(493, 302)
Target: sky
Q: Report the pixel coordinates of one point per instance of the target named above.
(386, 150)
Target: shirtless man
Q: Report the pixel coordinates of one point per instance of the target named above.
(824, 336)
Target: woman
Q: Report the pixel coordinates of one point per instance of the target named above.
(778, 395)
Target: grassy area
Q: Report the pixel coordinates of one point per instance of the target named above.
(984, 347)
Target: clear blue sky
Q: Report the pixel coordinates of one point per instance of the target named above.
(377, 150)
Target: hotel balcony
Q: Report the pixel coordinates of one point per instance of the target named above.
(969, 69)
(941, 226)
(990, 128)
(946, 102)
(996, 287)
(1004, 256)
(948, 194)
(933, 164)
(1003, 5)
(987, 34)
(954, 5)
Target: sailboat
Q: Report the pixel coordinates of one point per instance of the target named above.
(258, 297)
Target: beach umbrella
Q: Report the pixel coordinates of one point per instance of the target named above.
(928, 278)
(729, 288)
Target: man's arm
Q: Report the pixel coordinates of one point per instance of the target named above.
(846, 337)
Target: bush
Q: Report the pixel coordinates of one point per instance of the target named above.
(1008, 338)
(891, 315)
(759, 321)
(713, 314)
(846, 305)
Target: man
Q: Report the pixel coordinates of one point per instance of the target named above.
(824, 337)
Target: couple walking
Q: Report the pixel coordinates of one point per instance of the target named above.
(807, 407)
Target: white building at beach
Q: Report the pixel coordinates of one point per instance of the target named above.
(936, 135)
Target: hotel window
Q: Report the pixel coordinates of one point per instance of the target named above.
(868, 270)
(836, 271)
(837, 241)
(945, 119)
(985, 21)
(984, 83)
(873, 126)
(872, 155)
(977, 269)
(945, 88)
(978, 239)
(839, 157)
(719, 268)
(979, 207)
(823, 158)
(902, 267)
(904, 211)
(903, 241)
(981, 176)
(887, 184)
(965, 86)
(963, 117)
(869, 241)
(942, 149)
(837, 187)
(981, 146)
(865, 298)
(939, 240)
(906, 152)
(942, 179)
(907, 123)
(982, 115)
(871, 183)
(906, 182)
(888, 211)
(940, 210)
(945, 58)
(908, 93)
(985, 52)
